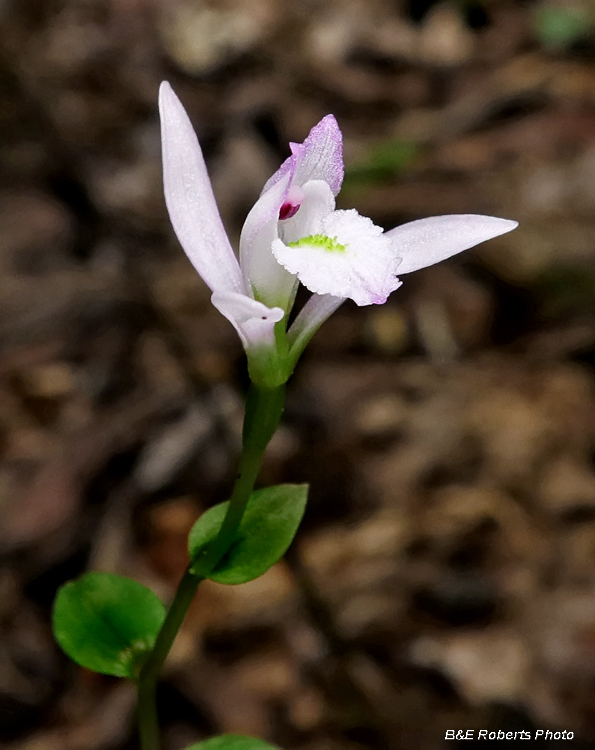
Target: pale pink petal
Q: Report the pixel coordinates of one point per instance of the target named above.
(287, 168)
(254, 322)
(190, 200)
(268, 281)
(312, 315)
(319, 157)
(318, 202)
(322, 156)
(424, 242)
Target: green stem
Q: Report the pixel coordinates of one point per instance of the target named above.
(263, 412)
(148, 725)
(147, 680)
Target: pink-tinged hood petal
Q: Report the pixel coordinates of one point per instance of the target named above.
(319, 157)
(254, 322)
(427, 241)
(190, 200)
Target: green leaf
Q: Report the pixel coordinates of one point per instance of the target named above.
(267, 529)
(232, 742)
(107, 623)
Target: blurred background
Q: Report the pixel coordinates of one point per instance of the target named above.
(444, 577)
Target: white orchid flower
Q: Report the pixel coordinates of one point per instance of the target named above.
(294, 234)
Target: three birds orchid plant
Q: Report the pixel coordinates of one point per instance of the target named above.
(293, 234)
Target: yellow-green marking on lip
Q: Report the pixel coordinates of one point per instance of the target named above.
(330, 244)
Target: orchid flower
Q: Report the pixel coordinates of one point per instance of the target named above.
(294, 234)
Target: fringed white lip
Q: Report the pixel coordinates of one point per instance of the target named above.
(337, 252)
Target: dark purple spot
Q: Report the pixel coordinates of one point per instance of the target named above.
(288, 210)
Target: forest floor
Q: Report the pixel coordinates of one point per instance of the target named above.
(444, 577)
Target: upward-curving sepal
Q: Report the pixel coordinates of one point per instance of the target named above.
(190, 200)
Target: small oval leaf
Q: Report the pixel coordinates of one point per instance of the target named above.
(232, 742)
(267, 529)
(107, 623)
